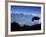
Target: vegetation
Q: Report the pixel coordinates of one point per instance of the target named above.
(15, 27)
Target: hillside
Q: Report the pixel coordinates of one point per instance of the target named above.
(15, 27)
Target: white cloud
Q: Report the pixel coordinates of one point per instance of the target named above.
(36, 22)
(34, 14)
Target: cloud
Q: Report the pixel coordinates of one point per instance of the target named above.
(34, 14)
(36, 22)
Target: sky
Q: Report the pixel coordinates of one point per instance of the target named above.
(25, 9)
(27, 12)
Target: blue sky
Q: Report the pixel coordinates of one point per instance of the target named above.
(24, 19)
(25, 9)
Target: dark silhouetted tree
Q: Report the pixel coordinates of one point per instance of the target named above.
(35, 18)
